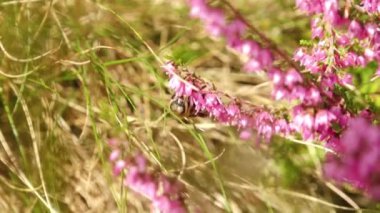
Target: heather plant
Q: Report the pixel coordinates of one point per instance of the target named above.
(189, 106)
(321, 86)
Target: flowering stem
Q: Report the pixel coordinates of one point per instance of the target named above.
(263, 37)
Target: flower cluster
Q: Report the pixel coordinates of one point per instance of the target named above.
(318, 106)
(344, 43)
(371, 6)
(359, 157)
(340, 43)
(318, 110)
(203, 97)
(165, 194)
(257, 57)
(328, 8)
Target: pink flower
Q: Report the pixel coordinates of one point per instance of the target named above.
(310, 6)
(331, 14)
(169, 69)
(298, 92)
(359, 154)
(181, 88)
(215, 23)
(253, 66)
(356, 30)
(316, 28)
(313, 96)
(371, 6)
(351, 59)
(343, 40)
(166, 195)
(115, 154)
(280, 93)
(282, 127)
(235, 29)
(369, 54)
(347, 79)
(371, 29)
(119, 166)
(233, 110)
(266, 58)
(292, 77)
(249, 48)
(323, 120)
(299, 54)
(303, 122)
(276, 76)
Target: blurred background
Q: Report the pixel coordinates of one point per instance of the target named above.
(75, 73)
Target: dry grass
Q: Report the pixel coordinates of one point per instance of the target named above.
(74, 73)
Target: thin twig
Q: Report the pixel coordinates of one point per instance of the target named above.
(43, 20)
(34, 141)
(343, 196)
(19, 75)
(311, 144)
(60, 28)
(14, 169)
(77, 63)
(19, 2)
(251, 186)
(206, 162)
(183, 154)
(26, 60)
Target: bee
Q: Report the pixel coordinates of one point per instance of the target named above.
(183, 107)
